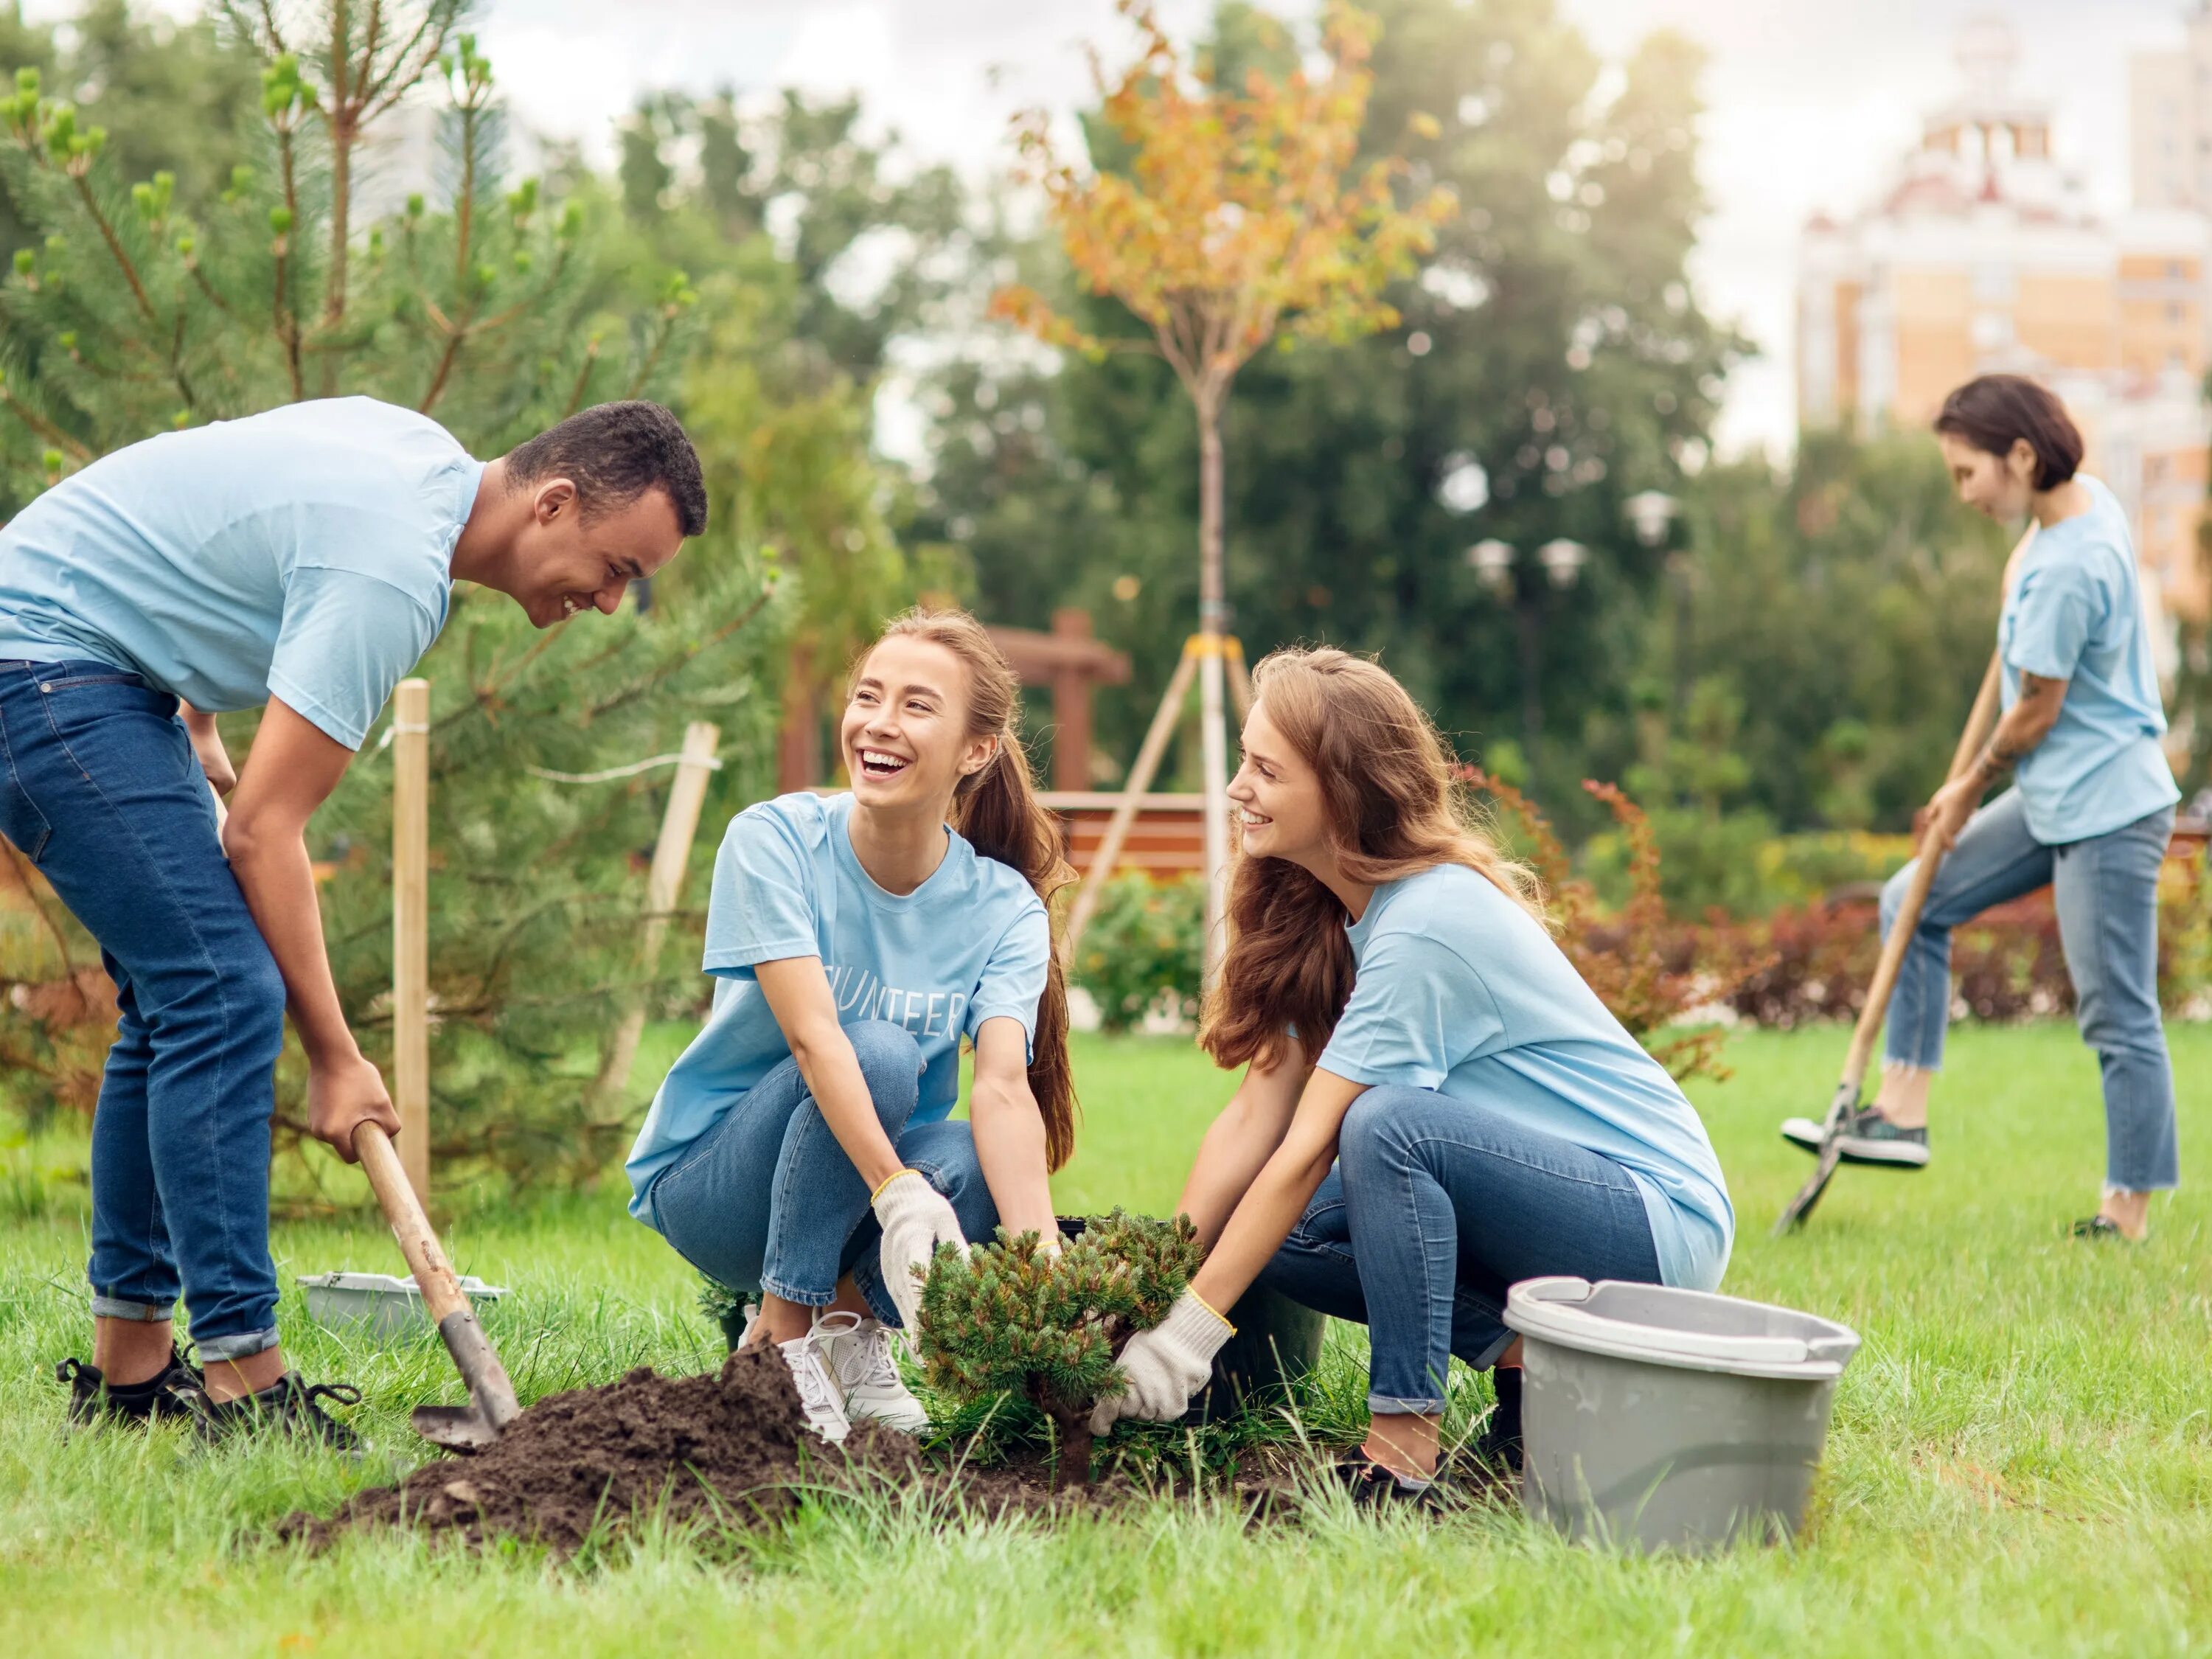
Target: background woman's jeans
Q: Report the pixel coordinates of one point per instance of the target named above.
(767, 1201)
(99, 787)
(1436, 1207)
(2106, 890)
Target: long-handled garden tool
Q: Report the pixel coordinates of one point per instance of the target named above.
(1930, 856)
(492, 1405)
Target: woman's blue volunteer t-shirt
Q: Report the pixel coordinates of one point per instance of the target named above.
(970, 944)
(1462, 991)
(2075, 613)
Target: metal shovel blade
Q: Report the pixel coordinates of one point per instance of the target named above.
(457, 1428)
(1832, 1134)
(492, 1405)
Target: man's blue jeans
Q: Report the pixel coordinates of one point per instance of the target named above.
(767, 1201)
(2106, 890)
(100, 789)
(1436, 1207)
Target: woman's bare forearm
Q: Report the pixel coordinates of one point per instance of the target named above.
(1263, 1219)
(2025, 724)
(1009, 1145)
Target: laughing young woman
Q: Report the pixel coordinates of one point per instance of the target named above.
(1435, 1105)
(856, 940)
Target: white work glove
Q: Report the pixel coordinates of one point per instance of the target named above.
(1166, 1365)
(916, 1220)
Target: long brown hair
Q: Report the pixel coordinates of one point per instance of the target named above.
(996, 808)
(1395, 808)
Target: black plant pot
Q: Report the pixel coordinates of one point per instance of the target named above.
(1277, 1342)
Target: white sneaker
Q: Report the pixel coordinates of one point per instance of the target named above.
(860, 1358)
(819, 1396)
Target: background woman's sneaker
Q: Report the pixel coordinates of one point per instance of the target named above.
(173, 1395)
(1868, 1138)
(289, 1406)
(860, 1358)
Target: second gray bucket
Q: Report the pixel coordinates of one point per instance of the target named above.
(1666, 1419)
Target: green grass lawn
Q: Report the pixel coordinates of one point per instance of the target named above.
(2021, 1458)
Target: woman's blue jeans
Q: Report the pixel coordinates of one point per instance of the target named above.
(1435, 1208)
(99, 787)
(767, 1201)
(2105, 891)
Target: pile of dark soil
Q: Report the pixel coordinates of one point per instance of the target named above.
(730, 1447)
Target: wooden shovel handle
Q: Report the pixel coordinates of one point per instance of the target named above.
(1930, 856)
(434, 1275)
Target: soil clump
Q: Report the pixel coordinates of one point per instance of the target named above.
(729, 1447)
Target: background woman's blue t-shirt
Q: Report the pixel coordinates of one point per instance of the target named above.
(2075, 613)
(970, 944)
(1462, 991)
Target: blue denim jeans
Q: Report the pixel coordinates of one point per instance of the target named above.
(99, 787)
(767, 1201)
(2106, 890)
(1435, 1208)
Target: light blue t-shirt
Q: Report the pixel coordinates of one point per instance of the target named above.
(304, 555)
(2075, 613)
(970, 944)
(1462, 991)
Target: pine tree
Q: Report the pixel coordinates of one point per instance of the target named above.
(1012, 1318)
(487, 304)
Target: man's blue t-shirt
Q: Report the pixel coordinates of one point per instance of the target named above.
(970, 944)
(1461, 990)
(2075, 613)
(304, 555)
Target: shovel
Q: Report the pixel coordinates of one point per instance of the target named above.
(492, 1405)
(1929, 855)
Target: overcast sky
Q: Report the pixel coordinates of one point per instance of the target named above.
(1810, 101)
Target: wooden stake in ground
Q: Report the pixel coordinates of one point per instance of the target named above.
(411, 930)
(1239, 217)
(664, 886)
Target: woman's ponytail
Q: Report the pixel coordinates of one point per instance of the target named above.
(997, 809)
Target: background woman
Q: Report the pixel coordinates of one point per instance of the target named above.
(857, 939)
(1436, 1106)
(2090, 813)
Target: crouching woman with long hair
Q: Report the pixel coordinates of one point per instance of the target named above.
(799, 1148)
(1435, 1105)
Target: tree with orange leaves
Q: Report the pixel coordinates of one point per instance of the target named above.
(1238, 221)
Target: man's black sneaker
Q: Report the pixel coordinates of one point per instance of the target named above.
(171, 1396)
(1868, 1138)
(1374, 1488)
(287, 1404)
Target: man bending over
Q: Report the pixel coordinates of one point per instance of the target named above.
(304, 559)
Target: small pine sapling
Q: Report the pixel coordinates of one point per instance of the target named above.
(1015, 1318)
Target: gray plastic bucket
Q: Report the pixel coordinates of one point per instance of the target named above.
(1657, 1418)
(378, 1306)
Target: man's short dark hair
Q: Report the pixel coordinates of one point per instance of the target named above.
(1998, 410)
(613, 453)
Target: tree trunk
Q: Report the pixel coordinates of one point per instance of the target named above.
(1213, 620)
(342, 133)
(1071, 1436)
